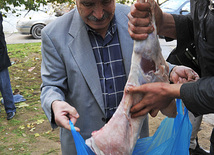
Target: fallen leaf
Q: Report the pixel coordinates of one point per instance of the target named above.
(36, 59)
(21, 149)
(17, 78)
(21, 105)
(48, 132)
(21, 127)
(40, 121)
(31, 130)
(24, 135)
(28, 125)
(36, 135)
(31, 69)
(13, 62)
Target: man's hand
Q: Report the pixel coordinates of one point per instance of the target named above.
(139, 25)
(63, 112)
(156, 96)
(182, 74)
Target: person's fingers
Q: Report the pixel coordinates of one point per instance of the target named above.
(142, 112)
(77, 129)
(182, 80)
(154, 112)
(68, 127)
(139, 22)
(132, 89)
(62, 120)
(174, 76)
(138, 28)
(73, 119)
(72, 112)
(138, 107)
(140, 14)
(196, 75)
(141, 7)
(63, 113)
(141, 36)
(192, 75)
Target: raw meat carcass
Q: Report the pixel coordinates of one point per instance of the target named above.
(119, 135)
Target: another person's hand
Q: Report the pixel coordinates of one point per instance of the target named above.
(156, 96)
(139, 25)
(63, 112)
(182, 74)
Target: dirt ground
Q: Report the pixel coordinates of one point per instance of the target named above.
(203, 135)
(48, 142)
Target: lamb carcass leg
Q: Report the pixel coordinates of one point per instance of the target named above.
(119, 135)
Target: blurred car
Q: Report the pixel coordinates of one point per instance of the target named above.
(34, 21)
(176, 7)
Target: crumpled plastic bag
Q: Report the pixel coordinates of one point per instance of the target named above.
(171, 138)
(17, 98)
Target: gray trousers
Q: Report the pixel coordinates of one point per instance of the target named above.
(196, 122)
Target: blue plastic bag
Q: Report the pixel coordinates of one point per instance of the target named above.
(81, 147)
(171, 138)
(17, 98)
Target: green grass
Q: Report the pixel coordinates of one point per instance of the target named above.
(18, 136)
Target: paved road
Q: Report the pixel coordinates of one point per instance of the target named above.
(16, 38)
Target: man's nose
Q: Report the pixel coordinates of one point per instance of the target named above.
(98, 12)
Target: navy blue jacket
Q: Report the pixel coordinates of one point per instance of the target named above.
(4, 58)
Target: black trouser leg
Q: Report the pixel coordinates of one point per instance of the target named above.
(212, 143)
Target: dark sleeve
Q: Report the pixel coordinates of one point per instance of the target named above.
(184, 30)
(198, 96)
(4, 58)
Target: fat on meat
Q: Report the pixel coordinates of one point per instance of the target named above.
(119, 135)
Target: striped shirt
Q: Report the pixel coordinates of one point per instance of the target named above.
(110, 66)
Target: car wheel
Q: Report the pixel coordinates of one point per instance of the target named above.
(36, 30)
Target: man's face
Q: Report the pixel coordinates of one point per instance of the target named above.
(96, 13)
